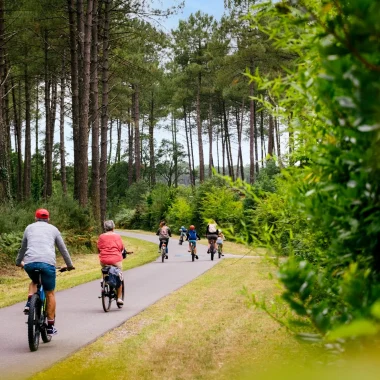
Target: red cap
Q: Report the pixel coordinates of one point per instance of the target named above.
(41, 213)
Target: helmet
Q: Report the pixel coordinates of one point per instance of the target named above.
(182, 227)
(41, 213)
(192, 227)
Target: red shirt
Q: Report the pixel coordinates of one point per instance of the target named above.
(110, 246)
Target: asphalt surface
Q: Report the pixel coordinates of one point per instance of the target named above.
(80, 317)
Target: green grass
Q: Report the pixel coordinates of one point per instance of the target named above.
(14, 281)
(202, 331)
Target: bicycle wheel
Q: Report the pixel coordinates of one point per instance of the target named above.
(106, 296)
(163, 253)
(219, 252)
(212, 251)
(34, 321)
(122, 295)
(44, 335)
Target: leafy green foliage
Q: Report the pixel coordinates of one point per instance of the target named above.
(332, 99)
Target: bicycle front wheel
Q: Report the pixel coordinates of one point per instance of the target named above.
(106, 297)
(34, 322)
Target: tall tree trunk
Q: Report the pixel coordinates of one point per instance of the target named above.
(278, 142)
(291, 142)
(130, 148)
(104, 117)
(80, 46)
(270, 136)
(191, 147)
(18, 137)
(37, 174)
(136, 119)
(199, 128)
(256, 145)
(151, 142)
(175, 150)
(94, 116)
(210, 130)
(262, 138)
(227, 142)
(251, 131)
(84, 105)
(239, 127)
(110, 142)
(223, 147)
(188, 145)
(5, 189)
(74, 91)
(118, 144)
(217, 149)
(62, 150)
(28, 148)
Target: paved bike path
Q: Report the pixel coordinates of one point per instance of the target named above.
(80, 317)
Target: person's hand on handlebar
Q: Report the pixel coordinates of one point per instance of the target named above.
(64, 269)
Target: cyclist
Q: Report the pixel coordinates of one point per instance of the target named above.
(37, 252)
(111, 249)
(211, 233)
(183, 231)
(219, 241)
(192, 236)
(163, 234)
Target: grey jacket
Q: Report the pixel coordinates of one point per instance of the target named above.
(38, 245)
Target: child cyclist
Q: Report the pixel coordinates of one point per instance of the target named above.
(192, 237)
(219, 241)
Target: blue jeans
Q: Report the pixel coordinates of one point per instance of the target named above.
(48, 274)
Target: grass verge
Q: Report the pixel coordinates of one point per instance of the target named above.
(228, 246)
(14, 281)
(202, 331)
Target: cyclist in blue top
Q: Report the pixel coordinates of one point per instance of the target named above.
(192, 237)
(183, 231)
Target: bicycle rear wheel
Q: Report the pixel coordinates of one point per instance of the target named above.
(163, 254)
(219, 252)
(122, 295)
(212, 251)
(34, 322)
(106, 296)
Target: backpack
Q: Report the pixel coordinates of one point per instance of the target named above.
(115, 277)
(192, 235)
(212, 228)
(164, 232)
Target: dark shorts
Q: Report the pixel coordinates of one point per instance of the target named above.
(212, 237)
(48, 274)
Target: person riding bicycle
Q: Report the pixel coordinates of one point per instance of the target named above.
(111, 250)
(163, 234)
(219, 242)
(37, 252)
(192, 236)
(211, 233)
(183, 231)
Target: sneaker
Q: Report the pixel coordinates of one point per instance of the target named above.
(120, 301)
(196, 256)
(51, 330)
(26, 307)
(208, 251)
(166, 257)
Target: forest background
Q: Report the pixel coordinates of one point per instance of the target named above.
(297, 80)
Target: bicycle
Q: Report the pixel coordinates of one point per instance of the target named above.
(220, 253)
(192, 250)
(37, 315)
(181, 240)
(109, 292)
(164, 251)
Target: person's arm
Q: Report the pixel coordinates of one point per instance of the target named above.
(198, 237)
(22, 250)
(187, 236)
(158, 231)
(64, 252)
(169, 232)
